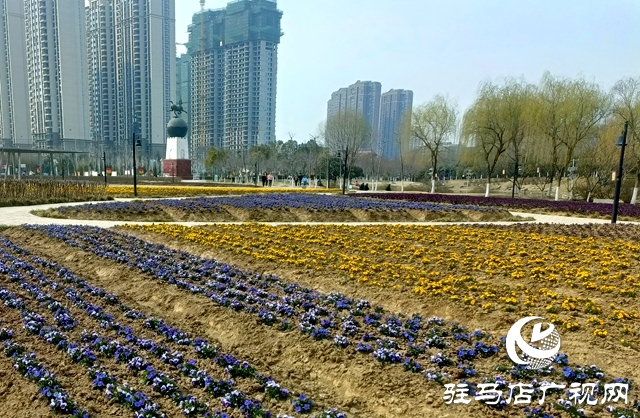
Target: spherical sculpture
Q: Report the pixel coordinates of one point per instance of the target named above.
(177, 128)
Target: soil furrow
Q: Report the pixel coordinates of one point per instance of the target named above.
(73, 377)
(353, 383)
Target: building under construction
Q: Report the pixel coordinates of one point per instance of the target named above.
(233, 54)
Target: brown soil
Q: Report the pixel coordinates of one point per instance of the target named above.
(383, 216)
(72, 377)
(19, 396)
(583, 348)
(334, 377)
(234, 214)
(176, 215)
(329, 215)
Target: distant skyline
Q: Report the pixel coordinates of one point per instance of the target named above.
(437, 47)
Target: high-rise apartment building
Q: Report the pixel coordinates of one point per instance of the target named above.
(337, 103)
(206, 49)
(131, 49)
(102, 74)
(234, 57)
(385, 112)
(362, 97)
(57, 73)
(14, 93)
(394, 106)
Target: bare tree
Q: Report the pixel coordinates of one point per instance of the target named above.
(402, 136)
(434, 123)
(345, 134)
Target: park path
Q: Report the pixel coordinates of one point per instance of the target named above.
(18, 215)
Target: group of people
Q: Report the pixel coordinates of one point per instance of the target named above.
(362, 186)
(301, 180)
(267, 180)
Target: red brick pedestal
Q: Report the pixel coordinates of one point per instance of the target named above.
(177, 168)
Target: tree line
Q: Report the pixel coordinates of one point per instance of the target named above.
(559, 130)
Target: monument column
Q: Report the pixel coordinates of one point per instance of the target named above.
(177, 162)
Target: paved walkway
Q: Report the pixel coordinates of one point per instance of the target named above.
(18, 215)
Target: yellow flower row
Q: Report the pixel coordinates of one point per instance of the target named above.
(487, 268)
(193, 191)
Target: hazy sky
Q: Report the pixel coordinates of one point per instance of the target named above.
(437, 47)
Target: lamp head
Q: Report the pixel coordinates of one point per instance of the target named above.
(620, 141)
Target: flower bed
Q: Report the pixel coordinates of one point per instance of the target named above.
(195, 191)
(438, 350)
(112, 342)
(584, 278)
(277, 207)
(579, 208)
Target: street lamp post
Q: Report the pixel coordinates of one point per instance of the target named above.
(104, 159)
(134, 144)
(622, 142)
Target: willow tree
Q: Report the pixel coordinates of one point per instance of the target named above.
(598, 157)
(345, 135)
(626, 95)
(434, 124)
(500, 120)
(515, 109)
(568, 113)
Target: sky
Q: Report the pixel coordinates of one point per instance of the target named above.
(431, 47)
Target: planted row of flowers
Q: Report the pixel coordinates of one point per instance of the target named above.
(522, 268)
(35, 324)
(194, 191)
(272, 201)
(124, 353)
(562, 206)
(30, 368)
(449, 349)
